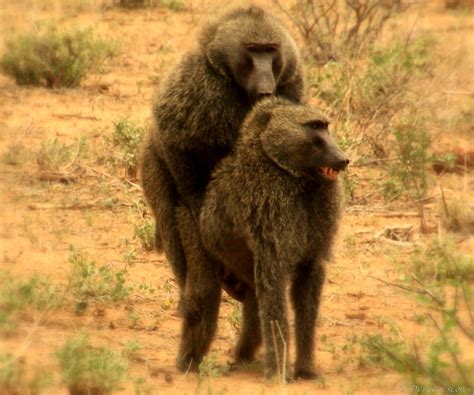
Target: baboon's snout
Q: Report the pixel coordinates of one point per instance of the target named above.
(336, 161)
(341, 163)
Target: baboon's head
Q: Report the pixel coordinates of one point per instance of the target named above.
(296, 138)
(252, 49)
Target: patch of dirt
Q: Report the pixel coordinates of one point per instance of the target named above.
(94, 212)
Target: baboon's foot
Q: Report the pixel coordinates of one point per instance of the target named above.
(305, 374)
(188, 363)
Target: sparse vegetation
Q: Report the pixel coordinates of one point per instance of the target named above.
(210, 368)
(397, 91)
(13, 155)
(174, 5)
(235, 317)
(16, 380)
(413, 150)
(442, 280)
(54, 156)
(457, 213)
(86, 369)
(168, 300)
(369, 95)
(89, 282)
(131, 349)
(128, 136)
(340, 28)
(145, 233)
(441, 364)
(55, 57)
(440, 261)
(36, 294)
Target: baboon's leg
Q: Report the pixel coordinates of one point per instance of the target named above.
(171, 241)
(306, 295)
(161, 194)
(201, 299)
(270, 291)
(250, 335)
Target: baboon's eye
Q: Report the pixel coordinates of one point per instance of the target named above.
(262, 48)
(317, 125)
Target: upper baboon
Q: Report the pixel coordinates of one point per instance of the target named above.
(243, 56)
(269, 214)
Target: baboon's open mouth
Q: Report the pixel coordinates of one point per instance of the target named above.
(329, 172)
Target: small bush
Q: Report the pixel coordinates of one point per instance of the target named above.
(90, 370)
(89, 282)
(54, 155)
(443, 364)
(440, 261)
(412, 147)
(457, 214)
(55, 58)
(366, 96)
(441, 280)
(145, 233)
(128, 137)
(174, 5)
(333, 29)
(210, 368)
(36, 293)
(14, 378)
(14, 155)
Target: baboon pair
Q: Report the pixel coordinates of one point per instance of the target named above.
(270, 211)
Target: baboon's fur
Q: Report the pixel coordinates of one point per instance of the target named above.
(269, 216)
(198, 112)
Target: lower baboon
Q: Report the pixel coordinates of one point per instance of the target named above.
(269, 215)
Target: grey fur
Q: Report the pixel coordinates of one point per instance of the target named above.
(269, 217)
(198, 112)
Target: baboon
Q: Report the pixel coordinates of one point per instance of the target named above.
(243, 56)
(269, 215)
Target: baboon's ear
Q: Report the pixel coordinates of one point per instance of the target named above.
(262, 119)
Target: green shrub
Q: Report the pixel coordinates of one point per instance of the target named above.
(36, 293)
(412, 148)
(210, 368)
(128, 137)
(174, 5)
(14, 378)
(54, 155)
(441, 279)
(369, 94)
(145, 233)
(457, 213)
(87, 369)
(443, 364)
(440, 261)
(54, 57)
(89, 282)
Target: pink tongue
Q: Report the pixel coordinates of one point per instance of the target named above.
(330, 173)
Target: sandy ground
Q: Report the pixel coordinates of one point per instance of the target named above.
(41, 219)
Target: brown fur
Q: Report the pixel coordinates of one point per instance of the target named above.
(199, 110)
(269, 217)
